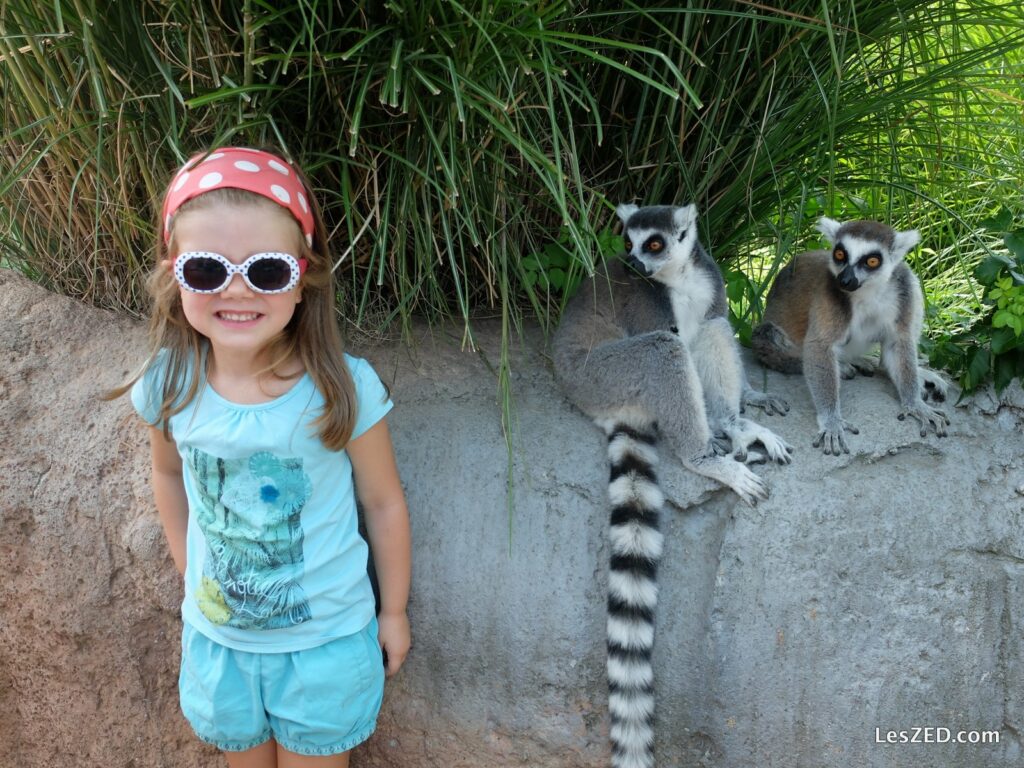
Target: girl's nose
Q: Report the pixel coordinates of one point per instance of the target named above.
(237, 286)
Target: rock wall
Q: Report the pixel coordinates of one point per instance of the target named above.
(880, 590)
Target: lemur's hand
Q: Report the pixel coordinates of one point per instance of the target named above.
(719, 445)
(832, 437)
(934, 388)
(865, 366)
(773, 405)
(846, 370)
(926, 417)
(778, 449)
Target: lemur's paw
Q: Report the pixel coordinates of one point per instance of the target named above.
(832, 437)
(719, 445)
(932, 394)
(772, 405)
(748, 486)
(865, 366)
(752, 457)
(778, 449)
(933, 387)
(732, 474)
(926, 417)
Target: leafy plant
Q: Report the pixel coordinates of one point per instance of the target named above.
(553, 274)
(741, 292)
(993, 346)
(450, 141)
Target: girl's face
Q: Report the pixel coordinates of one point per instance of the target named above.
(238, 321)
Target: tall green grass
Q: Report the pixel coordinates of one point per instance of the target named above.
(452, 142)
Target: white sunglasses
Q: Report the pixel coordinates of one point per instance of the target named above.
(207, 272)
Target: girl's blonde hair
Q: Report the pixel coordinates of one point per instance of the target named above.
(312, 334)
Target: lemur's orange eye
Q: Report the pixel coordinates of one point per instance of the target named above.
(873, 262)
(629, 244)
(839, 254)
(655, 245)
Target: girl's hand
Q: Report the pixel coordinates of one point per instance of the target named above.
(394, 638)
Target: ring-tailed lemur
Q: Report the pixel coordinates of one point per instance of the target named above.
(826, 309)
(645, 350)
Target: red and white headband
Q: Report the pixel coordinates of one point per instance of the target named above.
(239, 168)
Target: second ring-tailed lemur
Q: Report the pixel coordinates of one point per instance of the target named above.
(647, 352)
(826, 309)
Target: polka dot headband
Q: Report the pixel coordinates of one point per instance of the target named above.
(238, 168)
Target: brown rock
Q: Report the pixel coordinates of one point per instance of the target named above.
(89, 634)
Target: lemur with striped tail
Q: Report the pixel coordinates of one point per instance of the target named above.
(645, 349)
(826, 309)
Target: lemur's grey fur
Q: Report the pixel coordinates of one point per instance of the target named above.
(827, 308)
(646, 351)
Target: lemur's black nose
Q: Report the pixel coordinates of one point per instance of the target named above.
(638, 265)
(848, 281)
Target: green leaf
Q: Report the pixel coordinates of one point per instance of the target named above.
(1004, 339)
(223, 94)
(947, 353)
(735, 287)
(979, 365)
(557, 256)
(557, 278)
(610, 244)
(1005, 371)
(1015, 243)
(998, 223)
(744, 334)
(988, 271)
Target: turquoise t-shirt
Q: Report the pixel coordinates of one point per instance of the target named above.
(275, 561)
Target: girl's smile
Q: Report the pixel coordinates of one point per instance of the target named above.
(238, 318)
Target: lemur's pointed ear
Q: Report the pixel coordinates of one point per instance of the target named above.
(904, 241)
(624, 211)
(829, 228)
(685, 216)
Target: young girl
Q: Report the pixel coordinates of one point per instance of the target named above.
(260, 429)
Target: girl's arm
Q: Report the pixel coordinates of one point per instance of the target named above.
(169, 492)
(387, 526)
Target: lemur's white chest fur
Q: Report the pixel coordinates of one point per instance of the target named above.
(874, 310)
(691, 292)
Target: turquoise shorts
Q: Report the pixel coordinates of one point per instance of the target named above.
(319, 701)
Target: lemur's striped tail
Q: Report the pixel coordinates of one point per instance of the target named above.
(632, 592)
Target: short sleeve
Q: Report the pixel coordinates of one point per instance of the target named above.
(147, 392)
(372, 400)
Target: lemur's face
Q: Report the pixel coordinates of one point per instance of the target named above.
(856, 262)
(657, 238)
(865, 252)
(647, 250)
